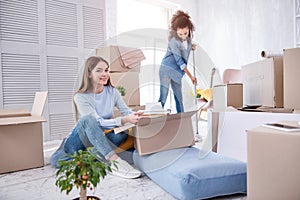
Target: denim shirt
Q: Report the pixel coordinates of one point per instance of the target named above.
(175, 59)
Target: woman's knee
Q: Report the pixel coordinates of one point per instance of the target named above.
(117, 139)
(88, 119)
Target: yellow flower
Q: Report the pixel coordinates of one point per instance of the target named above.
(207, 94)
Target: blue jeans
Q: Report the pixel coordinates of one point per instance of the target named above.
(88, 133)
(165, 83)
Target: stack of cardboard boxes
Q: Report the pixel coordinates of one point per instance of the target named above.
(269, 82)
(272, 81)
(270, 154)
(271, 165)
(263, 82)
(125, 63)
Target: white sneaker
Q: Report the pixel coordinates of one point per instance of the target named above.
(125, 170)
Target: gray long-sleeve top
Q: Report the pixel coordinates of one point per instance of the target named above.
(102, 106)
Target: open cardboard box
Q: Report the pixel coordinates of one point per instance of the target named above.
(162, 132)
(21, 137)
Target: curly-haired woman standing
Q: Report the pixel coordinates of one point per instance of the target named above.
(174, 63)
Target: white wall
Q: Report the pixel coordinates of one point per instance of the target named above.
(190, 6)
(234, 32)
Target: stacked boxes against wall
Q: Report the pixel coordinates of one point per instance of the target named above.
(263, 82)
(125, 63)
(272, 81)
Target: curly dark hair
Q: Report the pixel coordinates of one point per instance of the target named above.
(181, 20)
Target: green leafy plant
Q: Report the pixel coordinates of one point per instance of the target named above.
(198, 93)
(122, 90)
(83, 171)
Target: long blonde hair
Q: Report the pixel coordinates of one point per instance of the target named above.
(86, 83)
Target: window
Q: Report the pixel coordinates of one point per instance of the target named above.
(143, 14)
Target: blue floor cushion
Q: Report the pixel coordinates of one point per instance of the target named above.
(190, 173)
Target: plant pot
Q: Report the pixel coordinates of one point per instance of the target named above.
(89, 198)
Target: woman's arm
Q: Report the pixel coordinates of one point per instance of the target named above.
(181, 55)
(193, 79)
(86, 105)
(127, 115)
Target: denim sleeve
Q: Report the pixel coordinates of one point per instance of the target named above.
(179, 52)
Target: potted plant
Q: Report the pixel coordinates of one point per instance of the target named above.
(122, 90)
(83, 170)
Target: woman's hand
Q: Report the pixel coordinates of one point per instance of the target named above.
(194, 80)
(194, 47)
(131, 118)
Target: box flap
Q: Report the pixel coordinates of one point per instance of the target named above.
(38, 104)
(130, 56)
(20, 120)
(220, 85)
(147, 120)
(123, 128)
(14, 113)
(154, 119)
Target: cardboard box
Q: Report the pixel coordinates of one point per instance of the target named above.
(263, 82)
(228, 95)
(159, 133)
(291, 78)
(21, 137)
(130, 81)
(122, 59)
(231, 129)
(211, 141)
(273, 164)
